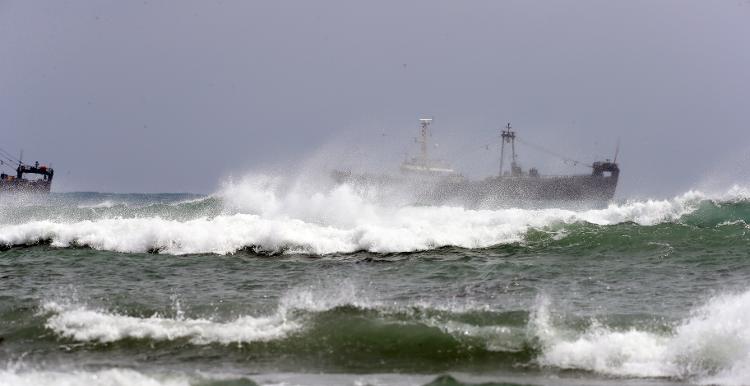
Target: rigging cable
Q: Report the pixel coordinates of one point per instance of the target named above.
(552, 153)
(4, 159)
(7, 155)
(463, 152)
(7, 165)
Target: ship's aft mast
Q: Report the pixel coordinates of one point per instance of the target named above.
(424, 123)
(508, 136)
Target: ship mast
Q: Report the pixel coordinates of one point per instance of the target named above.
(508, 136)
(424, 123)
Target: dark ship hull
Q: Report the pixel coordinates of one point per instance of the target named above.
(594, 189)
(518, 189)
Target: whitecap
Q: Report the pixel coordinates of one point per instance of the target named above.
(91, 325)
(266, 218)
(712, 346)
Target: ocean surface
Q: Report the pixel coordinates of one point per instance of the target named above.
(269, 283)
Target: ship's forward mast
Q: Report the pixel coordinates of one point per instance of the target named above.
(424, 125)
(509, 136)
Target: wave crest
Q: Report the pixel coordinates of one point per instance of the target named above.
(265, 217)
(87, 325)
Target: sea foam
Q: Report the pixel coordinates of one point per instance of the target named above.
(108, 377)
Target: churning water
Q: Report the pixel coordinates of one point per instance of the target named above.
(267, 282)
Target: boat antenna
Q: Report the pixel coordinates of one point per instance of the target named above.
(507, 136)
(424, 124)
(617, 150)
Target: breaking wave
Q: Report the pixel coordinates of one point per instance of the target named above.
(83, 324)
(709, 346)
(78, 321)
(263, 216)
(712, 346)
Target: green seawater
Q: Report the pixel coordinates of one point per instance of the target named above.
(256, 287)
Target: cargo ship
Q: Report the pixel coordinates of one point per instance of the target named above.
(434, 182)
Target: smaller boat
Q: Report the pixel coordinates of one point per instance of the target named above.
(40, 182)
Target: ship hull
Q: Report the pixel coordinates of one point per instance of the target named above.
(490, 192)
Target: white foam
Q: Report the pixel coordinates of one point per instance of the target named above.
(90, 325)
(220, 235)
(735, 193)
(20, 374)
(712, 346)
(263, 215)
(108, 377)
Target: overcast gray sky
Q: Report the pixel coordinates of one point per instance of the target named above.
(167, 96)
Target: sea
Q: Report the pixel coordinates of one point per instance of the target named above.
(270, 282)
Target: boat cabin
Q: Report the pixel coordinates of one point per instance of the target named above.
(45, 172)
